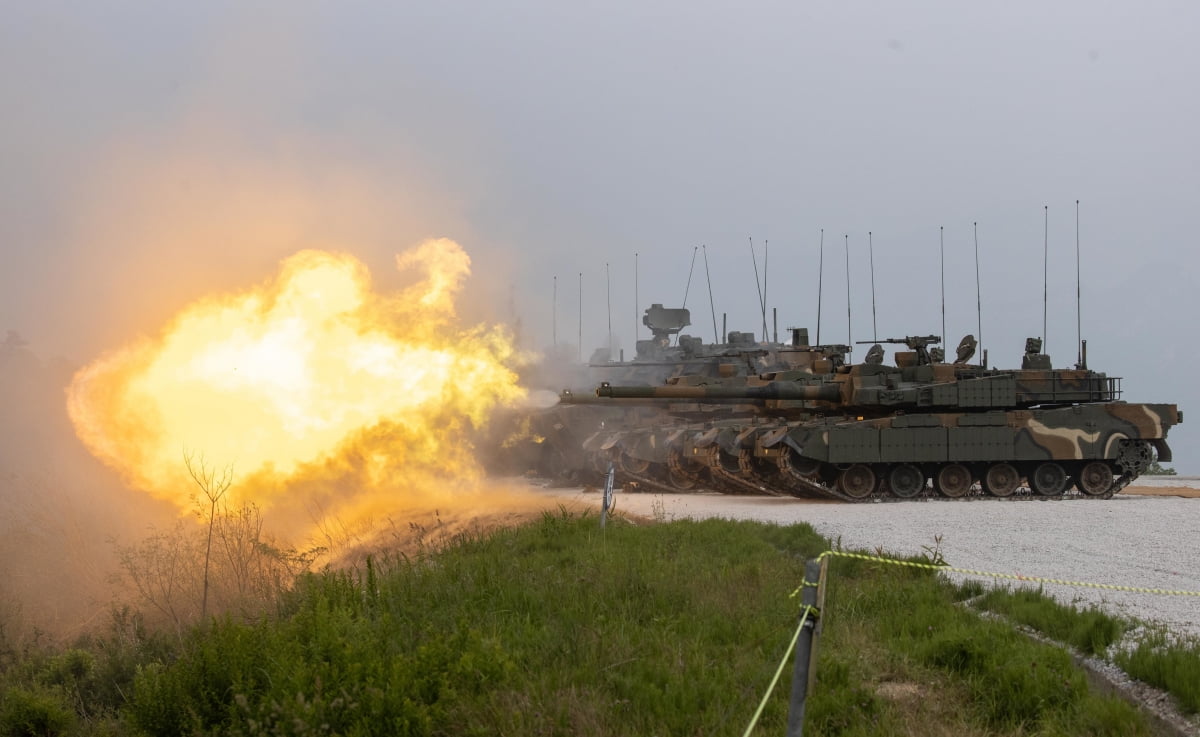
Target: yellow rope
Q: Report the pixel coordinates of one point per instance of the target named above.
(809, 610)
(778, 672)
(1009, 576)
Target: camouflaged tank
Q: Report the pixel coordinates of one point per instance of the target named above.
(921, 428)
(560, 449)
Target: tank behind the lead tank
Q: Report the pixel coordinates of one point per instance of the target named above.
(554, 442)
(914, 429)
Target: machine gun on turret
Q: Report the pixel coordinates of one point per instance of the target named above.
(918, 344)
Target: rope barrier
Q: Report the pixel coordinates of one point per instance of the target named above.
(1009, 576)
(810, 610)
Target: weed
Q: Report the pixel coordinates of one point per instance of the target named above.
(1091, 631)
(969, 589)
(933, 553)
(1172, 664)
(36, 712)
(658, 509)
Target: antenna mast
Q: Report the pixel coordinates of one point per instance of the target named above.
(711, 305)
(849, 334)
(688, 288)
(580, 347)
(1078, 294)
(608, 296)
(820, 279)
(1045, 279)
(874, 325)
(554, 314)
(978, 299)
(766, 255)
(762, 306)
(942, 248)
(636, 304)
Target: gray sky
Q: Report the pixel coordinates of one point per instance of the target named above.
(156, 152)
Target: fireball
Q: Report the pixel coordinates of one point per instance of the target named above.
(309, 386)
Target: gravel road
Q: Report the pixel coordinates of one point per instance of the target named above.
(1129, 540)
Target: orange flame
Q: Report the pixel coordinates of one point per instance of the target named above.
(310, 383)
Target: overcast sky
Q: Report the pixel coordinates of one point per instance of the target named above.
(156, 152)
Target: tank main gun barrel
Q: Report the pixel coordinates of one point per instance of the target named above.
(825, 392)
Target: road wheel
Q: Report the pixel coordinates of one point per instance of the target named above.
(858, 481)
(906, 480)
(1001, 479)
(792, 465)
(1048, 479)
(685, 473)
(1095, 478)
(682, 482)
(953, 480)
(631, 465)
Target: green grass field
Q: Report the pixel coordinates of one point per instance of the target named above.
(560, 627)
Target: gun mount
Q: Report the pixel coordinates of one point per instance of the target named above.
(918, 344)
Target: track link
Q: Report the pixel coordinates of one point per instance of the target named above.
(753, 485)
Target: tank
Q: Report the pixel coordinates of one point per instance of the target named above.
(919, 429)
(553, 443)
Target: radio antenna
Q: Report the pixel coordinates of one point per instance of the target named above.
(978, 299)
(608, 297)
(942, 248)
(688, 288)
(636, 303)
(820, 279)
(874, 325)
(695, 250)
(1078, 295)
(849, 334)
(766, 255)
(762, 306)
(1045, 279)
(554, 314)
(580, 347)
(711, 305)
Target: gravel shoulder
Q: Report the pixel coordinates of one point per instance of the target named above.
(1144, 537)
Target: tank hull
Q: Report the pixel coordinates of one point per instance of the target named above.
(1081, 451)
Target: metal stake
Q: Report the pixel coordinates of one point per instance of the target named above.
(608, 492)
(804, 651)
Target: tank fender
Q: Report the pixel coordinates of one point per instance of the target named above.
(729, 440)
(816, 442)
(774, 437)
(705, 439)
(1113, 444)
(1163, 450)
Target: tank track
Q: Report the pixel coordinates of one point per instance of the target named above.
(738, 473)
(804, 488)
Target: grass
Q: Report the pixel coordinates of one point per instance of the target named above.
(1004, 682)
(1154, 656)
(559, 627)
(1169, 664)
(1090, 631)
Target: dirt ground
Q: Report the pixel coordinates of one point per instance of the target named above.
(1181, 491)
(430, 529)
